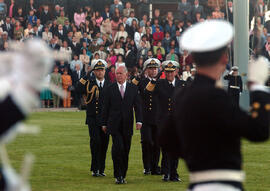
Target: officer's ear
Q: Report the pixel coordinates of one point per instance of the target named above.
(224, 59)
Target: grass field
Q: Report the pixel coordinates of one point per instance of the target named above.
(63, 159)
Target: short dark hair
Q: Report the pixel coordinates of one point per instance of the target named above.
(209, 58)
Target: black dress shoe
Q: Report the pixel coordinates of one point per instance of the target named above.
(146, 171)
(102, 174)
(119, 180)
(95, 174)
(175, 179)
(166, 178)
(156, 172)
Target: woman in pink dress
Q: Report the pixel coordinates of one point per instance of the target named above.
(111, 57)
(98, 18)
(79, 17)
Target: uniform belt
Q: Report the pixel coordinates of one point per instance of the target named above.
(217, 175)
(235, 87)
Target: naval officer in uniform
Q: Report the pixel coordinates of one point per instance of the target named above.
(149, 130)
(205, 128)
(164, 90)
(93, 89)
(235, 86)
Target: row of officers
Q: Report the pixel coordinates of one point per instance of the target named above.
(111, 113)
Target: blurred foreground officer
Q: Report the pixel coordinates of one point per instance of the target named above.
(164, 90)
(94, 91)
(235, 85)
(206, 129)
(121, 99)
(149, 131)
(29, 63)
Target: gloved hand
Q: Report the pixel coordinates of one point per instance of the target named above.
(231, 72)
(258, 71)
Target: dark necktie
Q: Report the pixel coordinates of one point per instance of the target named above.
(171, 85)
(100, 85)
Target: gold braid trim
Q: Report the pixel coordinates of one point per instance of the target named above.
(150, 87)
(91, 93)
(135, 82)
(83, 81)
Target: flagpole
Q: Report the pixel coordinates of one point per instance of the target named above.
(241, 45)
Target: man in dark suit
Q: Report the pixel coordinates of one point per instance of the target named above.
(94, 92)
(45, 15)
(149, 131)
(76, 76)
(121, 99)
(54, 45)
(164, 90)
(230, 11)
(205, 128)
(116, 5)
(184, 9)
(196, 8)
(8, 27)
(67, 28)
(85, 39)
(60, 32)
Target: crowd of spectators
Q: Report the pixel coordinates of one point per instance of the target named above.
(115, 34)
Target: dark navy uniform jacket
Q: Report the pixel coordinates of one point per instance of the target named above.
(205, 130)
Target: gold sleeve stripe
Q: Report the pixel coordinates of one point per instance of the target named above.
(150, 87)
(135, 82)
(83, 81)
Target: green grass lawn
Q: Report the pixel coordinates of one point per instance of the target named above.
(63, 159)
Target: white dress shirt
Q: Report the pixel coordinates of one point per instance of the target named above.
(173, 82)
(125, 85)
(102, 82)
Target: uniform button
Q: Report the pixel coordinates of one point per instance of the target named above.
(150, 104)
(256, 105)
(169, 99)
(96, 107)
(150, 108)
(169, 109)
(254, 114)
(96, 112)
(150, 99)
(169, 104)
(267, 107)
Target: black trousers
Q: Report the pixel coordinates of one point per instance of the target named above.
(235, 100)
(169, 165)
(120, 152)
(150, 148)
(98, 145)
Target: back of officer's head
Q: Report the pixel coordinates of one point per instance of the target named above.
(206, 59)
